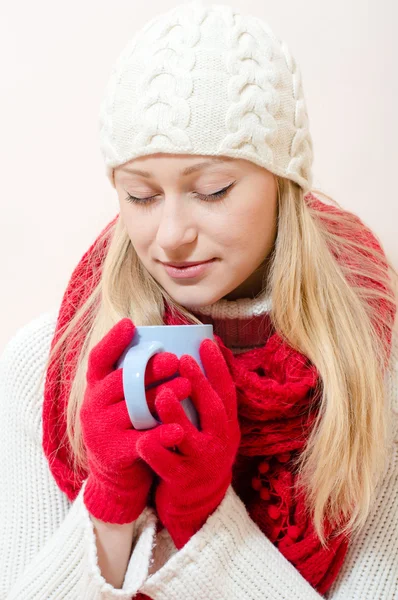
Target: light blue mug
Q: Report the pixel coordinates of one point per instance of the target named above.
(149, 339)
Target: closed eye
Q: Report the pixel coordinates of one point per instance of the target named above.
(206, 197)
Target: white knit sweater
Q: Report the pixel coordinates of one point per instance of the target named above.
(47, 544)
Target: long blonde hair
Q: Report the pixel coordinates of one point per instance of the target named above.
(317, 308)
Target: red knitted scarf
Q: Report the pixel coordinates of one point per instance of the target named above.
(277, 400)
(277, 403)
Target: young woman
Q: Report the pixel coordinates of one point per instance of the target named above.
(289, 487)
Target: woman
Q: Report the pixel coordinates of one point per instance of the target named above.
(289, 488)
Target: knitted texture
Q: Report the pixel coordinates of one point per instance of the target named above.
(242, 324)
(48, 546)
(85, 276)
(195, 468)
(119, 481)
(207, 80)
(267, 427)
(280, 406)
(277, 400)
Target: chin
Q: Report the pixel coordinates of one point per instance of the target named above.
(196, 301)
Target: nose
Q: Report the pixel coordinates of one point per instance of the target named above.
(176, 226)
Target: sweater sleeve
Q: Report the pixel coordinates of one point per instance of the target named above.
(48, 550)
(230, 557)
(47, 544)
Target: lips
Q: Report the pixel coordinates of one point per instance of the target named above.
(191, 271)
(186, 264)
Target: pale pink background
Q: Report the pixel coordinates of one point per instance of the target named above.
(56, 58)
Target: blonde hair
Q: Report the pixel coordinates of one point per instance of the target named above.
(317, 308)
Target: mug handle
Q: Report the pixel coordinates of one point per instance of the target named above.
(134, 366)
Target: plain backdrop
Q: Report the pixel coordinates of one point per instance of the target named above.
(56, 59)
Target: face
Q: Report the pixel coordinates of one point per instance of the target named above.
(192, 208)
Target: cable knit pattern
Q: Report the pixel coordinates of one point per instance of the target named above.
(47, 544)
(207, 80)
(258, 108)
(163, 109)
(250, 118)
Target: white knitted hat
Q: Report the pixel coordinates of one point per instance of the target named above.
(207, 80)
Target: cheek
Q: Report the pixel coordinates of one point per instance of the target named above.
(261, 216)
(138, 229)
(252, 226)
(250, 234)
(141, 240)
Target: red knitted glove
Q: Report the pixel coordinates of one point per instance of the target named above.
(119, 481)
(193, 481)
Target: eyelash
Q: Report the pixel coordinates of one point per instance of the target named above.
(206, 198)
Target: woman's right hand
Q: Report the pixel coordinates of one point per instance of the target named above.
(119, 481)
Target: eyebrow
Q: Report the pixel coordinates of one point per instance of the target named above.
(186, 171)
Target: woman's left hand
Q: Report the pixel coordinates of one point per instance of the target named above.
(194, 480)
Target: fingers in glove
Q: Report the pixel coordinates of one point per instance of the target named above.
(160, 366)
(104, 355)
(107, 392)
(120, 415)
(170, 410)
(210, 406)
(153, 447)
(217, 372)
(180, 385)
